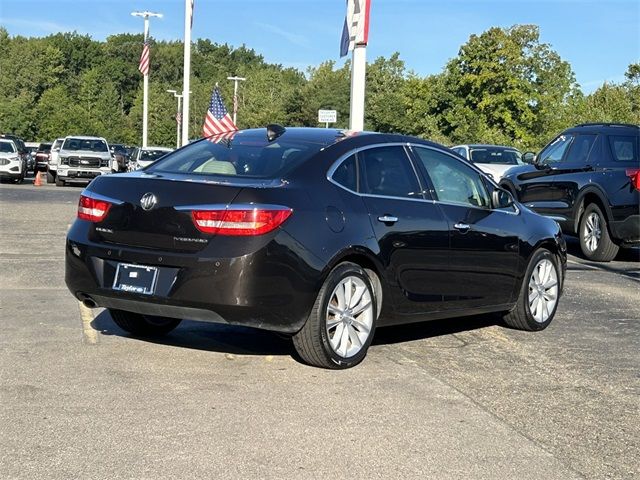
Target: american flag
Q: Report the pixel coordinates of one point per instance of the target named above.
(356, 25)
(217, 119)
(144, 59)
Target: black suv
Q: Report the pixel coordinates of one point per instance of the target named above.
(588, 180)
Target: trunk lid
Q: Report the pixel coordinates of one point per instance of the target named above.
(162, 226)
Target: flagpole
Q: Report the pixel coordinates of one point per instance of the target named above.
(145, 95)
(145, 88)
(235, 79)
(358, 78)
(188, 14)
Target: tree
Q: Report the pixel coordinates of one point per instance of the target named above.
(504, 85)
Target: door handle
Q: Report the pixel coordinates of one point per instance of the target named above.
(463, 227)
(387, 219)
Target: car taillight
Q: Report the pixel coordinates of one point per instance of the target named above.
(91, 209)
(240, 222)
(634, 175)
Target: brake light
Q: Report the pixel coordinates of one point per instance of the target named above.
(242, 222)
(91, 209)
(634, 175)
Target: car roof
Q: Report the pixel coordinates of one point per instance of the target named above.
(484, 145)
(148, 147)
(7, 140)
(84, 137)
(609, 128)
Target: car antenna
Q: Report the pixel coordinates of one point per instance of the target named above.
(274, 131)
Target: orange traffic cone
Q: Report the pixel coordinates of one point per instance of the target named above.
(37, 182)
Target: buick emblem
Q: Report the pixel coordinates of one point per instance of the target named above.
(148, 201)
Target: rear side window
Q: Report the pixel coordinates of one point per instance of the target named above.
(249, 157)
(580, 148)
(387, 171)
(346, 174)
(624, 148)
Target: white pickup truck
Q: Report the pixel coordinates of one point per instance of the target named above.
(81, 159)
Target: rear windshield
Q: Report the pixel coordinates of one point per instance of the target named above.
(503, 156)
(7, 147)
(149, 155)
(44, 147)
(84, 144)
(252, 157)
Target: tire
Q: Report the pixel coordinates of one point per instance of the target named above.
(595, 241)
(143, 325)
(336, 336)
(59, 182)
(537, 285)
(51, 177)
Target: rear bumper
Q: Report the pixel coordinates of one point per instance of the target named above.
(268, 289)
(627, 232)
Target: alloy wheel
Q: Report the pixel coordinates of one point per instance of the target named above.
(543, 290)
(349, 317)
(592, 232)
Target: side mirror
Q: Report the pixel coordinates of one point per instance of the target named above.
(529, 157)
(502, 199)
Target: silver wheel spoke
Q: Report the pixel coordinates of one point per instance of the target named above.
(348, 291)
(361, 326)
(344, 342)
(339, 294)
(332, 322)
(551, 282)
(354, 337)
(337, 335)
(533, 296)
(358, 309)
(357, 295)
(332, 309)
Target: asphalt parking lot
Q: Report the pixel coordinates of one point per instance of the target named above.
(461, 398)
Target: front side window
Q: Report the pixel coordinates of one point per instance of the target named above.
(580, 148)
(453, 181)
(387, 171)
(347, 174)
(624, 148)
(555, 150)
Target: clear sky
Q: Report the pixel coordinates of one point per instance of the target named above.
(599, 39)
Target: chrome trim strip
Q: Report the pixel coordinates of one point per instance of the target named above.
(103, 198)
(232, 206)
(557, 219)
(342, 158)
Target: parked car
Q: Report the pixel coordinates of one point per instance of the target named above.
(81, 159)
(11, 165)
(32, 148)
(23, 154)
(588, 179)
(120, 157)
(145, 156)
(494, 160)
(52, 168)
(314, 233)
(42, 157)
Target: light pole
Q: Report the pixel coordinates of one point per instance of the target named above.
(145, 102)
(235, 79)
(178, 115)
(186, 81)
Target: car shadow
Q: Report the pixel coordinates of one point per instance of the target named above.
(231, 339)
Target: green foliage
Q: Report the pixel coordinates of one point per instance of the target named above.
(505, 86)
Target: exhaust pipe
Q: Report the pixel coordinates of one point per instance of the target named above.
(89, 303)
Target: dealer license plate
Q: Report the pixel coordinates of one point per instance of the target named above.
(135, 278)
